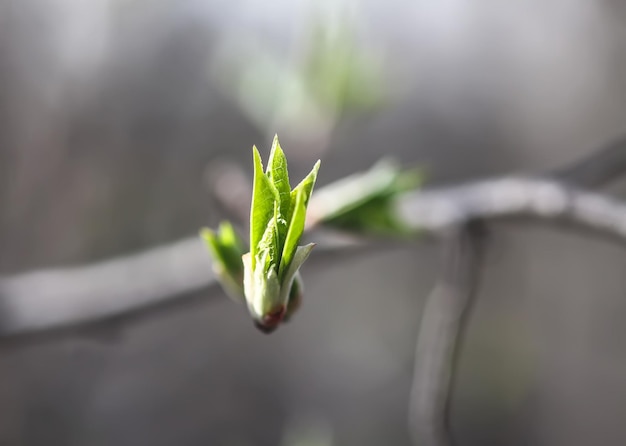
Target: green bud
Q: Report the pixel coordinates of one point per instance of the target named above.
(226, 248)
(277, 219)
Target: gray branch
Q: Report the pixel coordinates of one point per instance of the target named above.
(59, 297)
(513, 197)
(446, 309)
(443, 317)
(53, 298)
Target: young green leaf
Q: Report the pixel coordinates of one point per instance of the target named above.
(226, 249)
(300, 256)
(306, 185)
(264, 195)
(225, 245)
(300, 197)
(269, 242)
(296, 227)
(277, 173)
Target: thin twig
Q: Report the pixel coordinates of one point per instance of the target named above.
(597, 169)
(513, 197)
(58, 297)
(443, 318)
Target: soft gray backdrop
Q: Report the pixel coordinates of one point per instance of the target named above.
(109, 118)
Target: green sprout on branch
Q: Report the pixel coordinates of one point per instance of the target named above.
(271, 285)
(226, 248)
(364, 202)
(266, 276)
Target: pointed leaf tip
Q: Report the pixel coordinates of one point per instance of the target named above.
(277, 169)
(307, 184)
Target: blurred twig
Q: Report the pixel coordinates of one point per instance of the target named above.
(446, 310)
(58, 297)
(439, 334)
(514, 197)
(598, 169)
(53, 298)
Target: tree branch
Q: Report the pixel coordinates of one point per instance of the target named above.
(513, 197)
(59, 297)
(446, 309)
(443, 318)
(597, 169)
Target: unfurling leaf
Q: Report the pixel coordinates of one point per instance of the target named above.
(268, 276)
(226, 247)
(264, 197)
(275, 257)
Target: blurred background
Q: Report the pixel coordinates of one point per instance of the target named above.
(113, 117)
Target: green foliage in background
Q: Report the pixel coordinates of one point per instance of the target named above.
(338, 73)
(329, 74)
(226, 248)
(364, 202)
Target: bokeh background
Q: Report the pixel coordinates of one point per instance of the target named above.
(113, 116)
